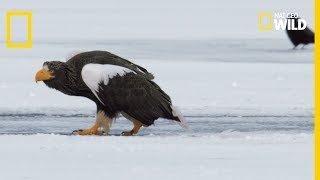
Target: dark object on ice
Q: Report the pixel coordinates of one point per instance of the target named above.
(298, 37)
(116, 85)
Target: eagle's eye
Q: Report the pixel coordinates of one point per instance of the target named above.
(51, 71)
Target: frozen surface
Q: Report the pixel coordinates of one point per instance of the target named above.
(248, 97)
(173, 19)
(225, 156)
(215, 76)
(30, 123)
(249, 104)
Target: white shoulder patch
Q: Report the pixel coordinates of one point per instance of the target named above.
(94, 74)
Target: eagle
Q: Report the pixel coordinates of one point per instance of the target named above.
(116, 85)
(298, 37)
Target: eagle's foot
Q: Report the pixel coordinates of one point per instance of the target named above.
(135, 130)
(127, 133)
(88, 132)
(94, 130)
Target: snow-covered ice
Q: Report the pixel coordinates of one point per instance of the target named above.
(250, 119)
(258, 76)
(225, 156)
(247, 96)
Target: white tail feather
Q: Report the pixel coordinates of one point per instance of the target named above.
(183, 123)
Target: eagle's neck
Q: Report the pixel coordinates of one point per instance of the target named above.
(71, 77)
(67, 84)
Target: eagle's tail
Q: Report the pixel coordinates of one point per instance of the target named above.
(180, 119)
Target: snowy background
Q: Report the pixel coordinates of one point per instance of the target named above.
(247, 96)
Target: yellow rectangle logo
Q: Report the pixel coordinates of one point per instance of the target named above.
(10, 44)
(269, 16)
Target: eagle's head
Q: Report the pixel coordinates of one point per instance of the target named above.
(54, 74)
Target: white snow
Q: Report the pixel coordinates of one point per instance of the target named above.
(165, 151)
(174, 19)
(196, 87)
(225, 156)
(94, 74)
(247, 96)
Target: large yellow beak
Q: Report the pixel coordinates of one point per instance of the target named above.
(43, 75)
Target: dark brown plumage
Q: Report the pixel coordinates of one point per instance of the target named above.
(116, 86)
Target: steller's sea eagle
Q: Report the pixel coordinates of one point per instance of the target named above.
(116, 86)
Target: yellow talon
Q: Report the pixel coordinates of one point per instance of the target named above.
(92, 131)
(136, 126)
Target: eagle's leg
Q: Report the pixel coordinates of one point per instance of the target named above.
(102, 121)
(136, 127)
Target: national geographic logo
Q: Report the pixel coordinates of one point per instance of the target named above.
(9, 42)
(281, 21)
